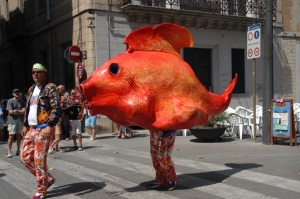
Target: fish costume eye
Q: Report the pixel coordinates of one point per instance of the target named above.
(114, 69)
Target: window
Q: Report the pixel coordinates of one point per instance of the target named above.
(200, 61)
(238, 67)
(146, 2)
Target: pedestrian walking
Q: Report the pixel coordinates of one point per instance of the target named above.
(57, 136)
(16, 111)
(42, 114)
(161, 146)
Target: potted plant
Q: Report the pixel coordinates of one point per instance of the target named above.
(213, 129)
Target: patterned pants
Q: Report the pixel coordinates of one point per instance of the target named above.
(161, 157)
(34, 157)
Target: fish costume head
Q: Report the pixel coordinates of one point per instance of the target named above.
(151, 86)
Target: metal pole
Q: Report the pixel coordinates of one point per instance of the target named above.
(268, 72)
(254, 99)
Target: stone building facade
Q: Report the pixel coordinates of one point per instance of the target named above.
(99, 27)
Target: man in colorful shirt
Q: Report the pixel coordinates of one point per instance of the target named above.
(42, 114)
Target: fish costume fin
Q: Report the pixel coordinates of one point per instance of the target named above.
(161, 38)
(219, 103)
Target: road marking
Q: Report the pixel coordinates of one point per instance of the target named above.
(90, 175)
(24, 181)
(218, 189)
(275, 181)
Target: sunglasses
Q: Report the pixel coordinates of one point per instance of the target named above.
(37, 72)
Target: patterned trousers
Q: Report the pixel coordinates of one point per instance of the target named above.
(161, 157)
(34, 157)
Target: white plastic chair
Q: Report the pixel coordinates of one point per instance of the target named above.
(240, 122)
(184, 132)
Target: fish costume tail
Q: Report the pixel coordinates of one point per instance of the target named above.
(221, 102)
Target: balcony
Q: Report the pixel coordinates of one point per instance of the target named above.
(17, 29)
(223, 14)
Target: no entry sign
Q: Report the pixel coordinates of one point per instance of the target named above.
(253, 41)
(74, 53)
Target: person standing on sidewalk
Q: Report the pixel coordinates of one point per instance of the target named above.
(16, 111)
(90, 123)
(1, 124)
(42, 114)
(74, 116)
(63, 124)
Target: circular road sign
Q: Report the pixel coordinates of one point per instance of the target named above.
(250, 53)
(80, 70)
(256, 34)
(250, 36)
(256, 51)
(74, 53)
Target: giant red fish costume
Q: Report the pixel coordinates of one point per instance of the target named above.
(151, 86)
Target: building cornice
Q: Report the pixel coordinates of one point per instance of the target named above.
(155, 15)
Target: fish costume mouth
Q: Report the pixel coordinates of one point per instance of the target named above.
(151, 86)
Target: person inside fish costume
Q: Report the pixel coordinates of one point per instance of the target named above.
(151, 86)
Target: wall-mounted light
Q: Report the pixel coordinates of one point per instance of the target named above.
(91, 24)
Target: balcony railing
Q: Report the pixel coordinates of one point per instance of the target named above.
(246, 8)
(17, 27)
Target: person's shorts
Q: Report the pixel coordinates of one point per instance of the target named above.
(76, 127)
(123, 129)
(2, 125)
(14, 128)
(90, 121)
(57, 129)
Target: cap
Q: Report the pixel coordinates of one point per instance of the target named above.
(39, 66)
(16, 90)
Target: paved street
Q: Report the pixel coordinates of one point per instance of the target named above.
(116, 168)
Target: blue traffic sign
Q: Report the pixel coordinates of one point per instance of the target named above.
(256, 34)
(254, 27)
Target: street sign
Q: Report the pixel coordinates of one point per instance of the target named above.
(253, 41)
(66, 56)
(74, 53)
(80, 70)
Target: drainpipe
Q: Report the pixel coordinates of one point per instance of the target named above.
(108, 28)
(48, 10)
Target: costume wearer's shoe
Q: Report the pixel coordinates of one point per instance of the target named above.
(172, 185)
(37, 196)
(49, 185)
(154, 185)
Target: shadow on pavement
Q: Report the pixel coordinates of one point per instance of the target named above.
(77, 189)
(195, 180)
(225, 139)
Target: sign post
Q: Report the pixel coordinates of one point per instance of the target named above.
(253, 52)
